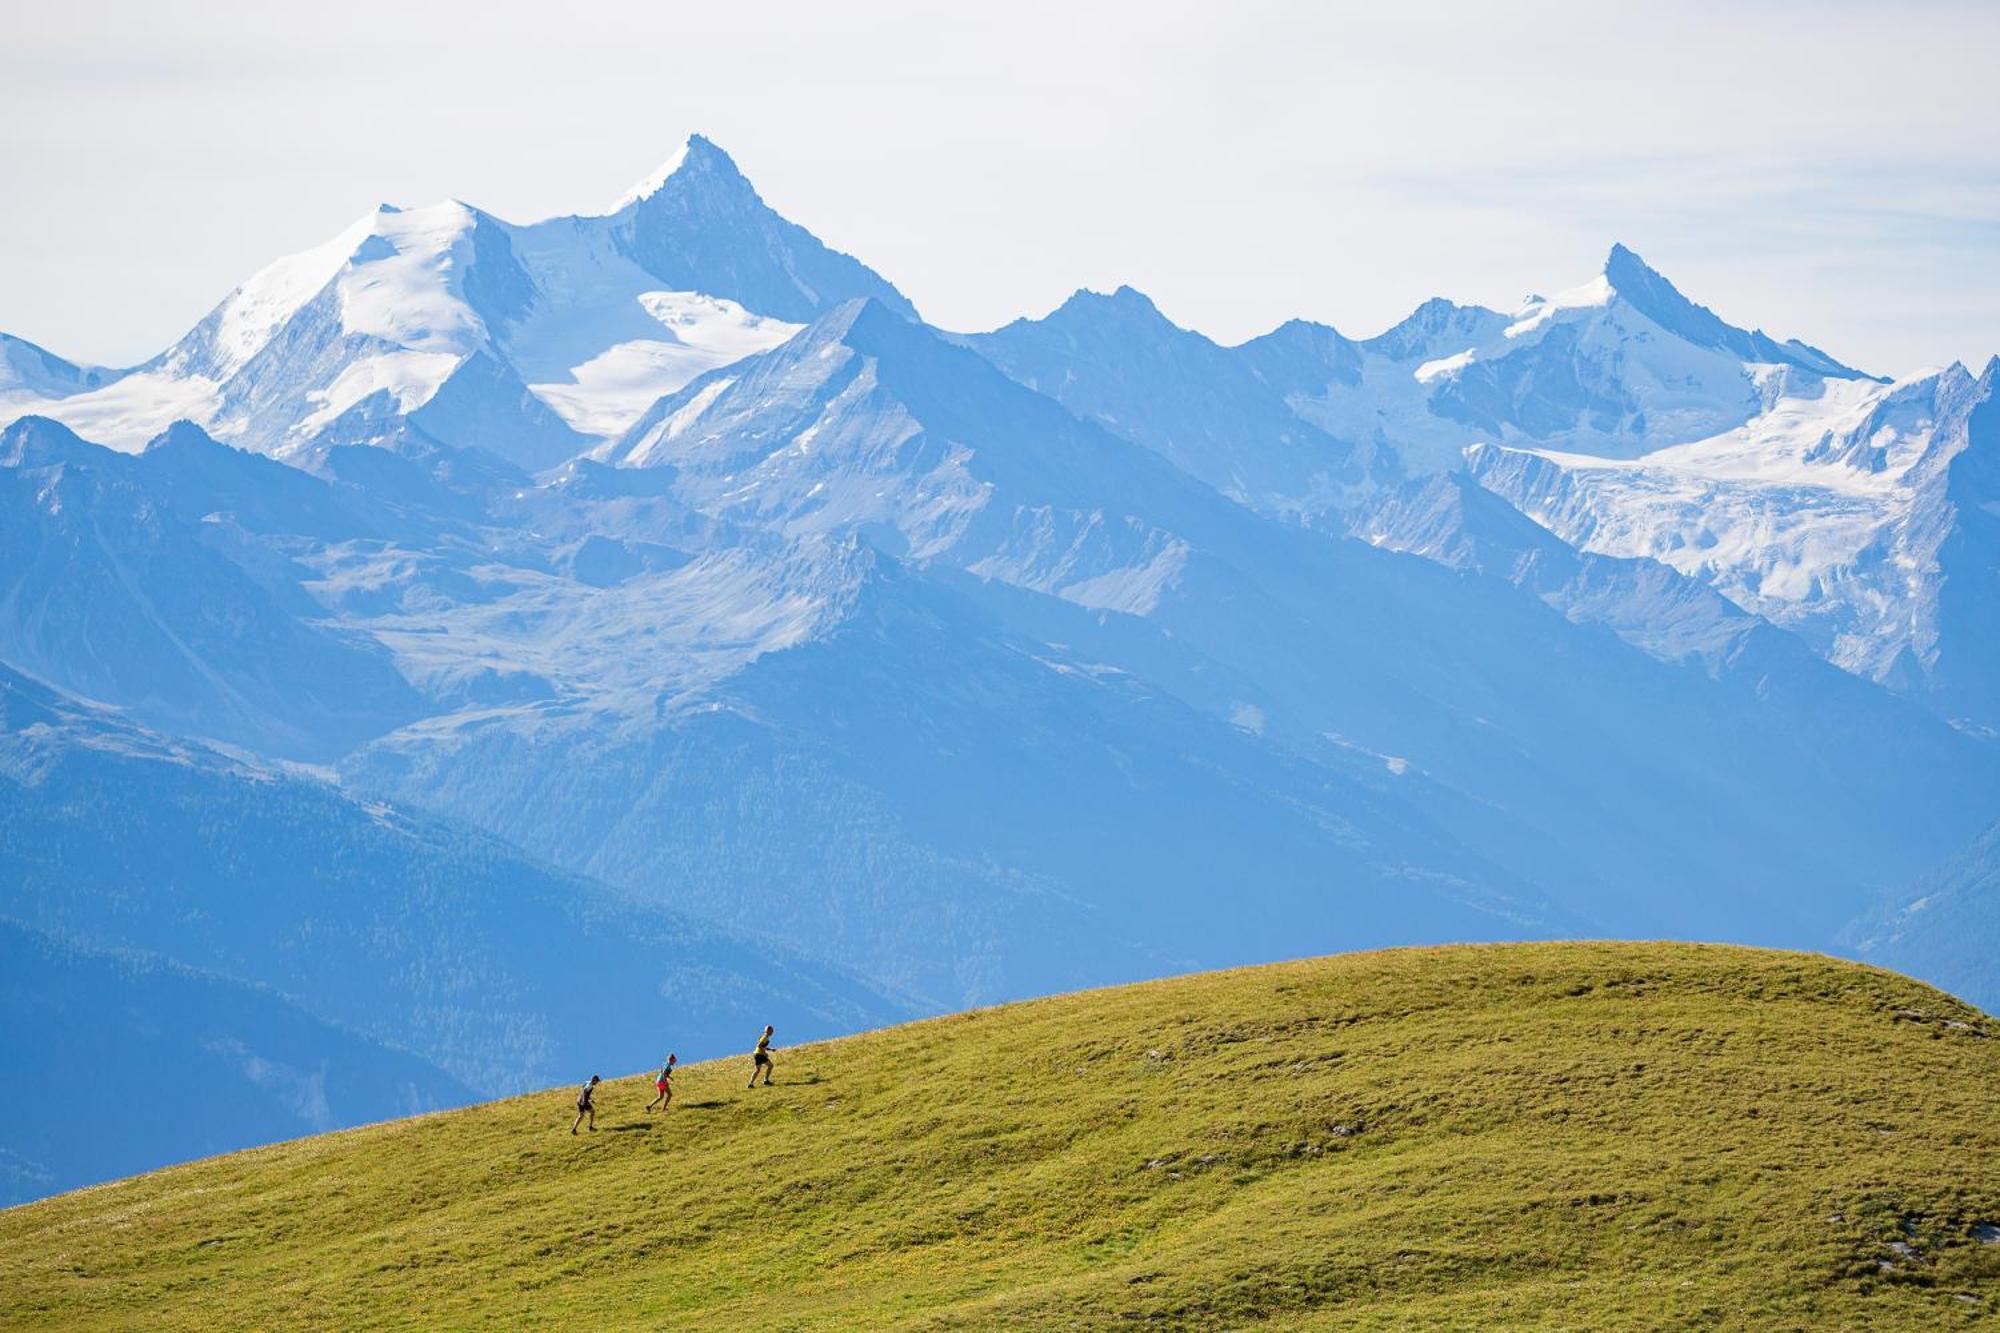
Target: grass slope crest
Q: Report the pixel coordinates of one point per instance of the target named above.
(1562, 1135)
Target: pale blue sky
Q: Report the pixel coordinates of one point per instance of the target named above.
(1829, 171)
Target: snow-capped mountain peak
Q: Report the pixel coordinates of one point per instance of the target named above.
(698, 161)
(401, 277)
(650, 183)
(533, 341)
(1538, 310)
(1436, 328)
(1619, 366)
(248, 316)
(703, 227)
(1649, 292)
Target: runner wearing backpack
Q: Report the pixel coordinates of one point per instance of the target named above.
(585, 1105)
(761, 1061)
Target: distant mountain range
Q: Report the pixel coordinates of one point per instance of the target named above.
(467, 619)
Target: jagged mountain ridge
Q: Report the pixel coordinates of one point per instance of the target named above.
(1118, 361)
(1625, 417)
(1620, 366)
(220, 1063)
(670, 545)
(109, 586)
(510, 647)
(869, 423)
(1944, 924)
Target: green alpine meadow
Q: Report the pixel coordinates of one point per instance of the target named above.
(1573, 1135)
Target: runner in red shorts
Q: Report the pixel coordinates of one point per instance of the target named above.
(665, 1083)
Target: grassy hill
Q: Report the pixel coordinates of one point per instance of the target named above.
(1574, 1135)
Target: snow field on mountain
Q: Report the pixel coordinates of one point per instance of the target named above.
(411, 378)
(126, 414)
(1795, 515)
(257, 309)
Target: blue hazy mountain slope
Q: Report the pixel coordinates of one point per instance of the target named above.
(1559, 750)
(966, 812)
(205, 482)
(437, 939)
(124, 593)
(1963, 675)
(1451, 519)
(28, 371)
(112, 1063)
(1943, 927)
